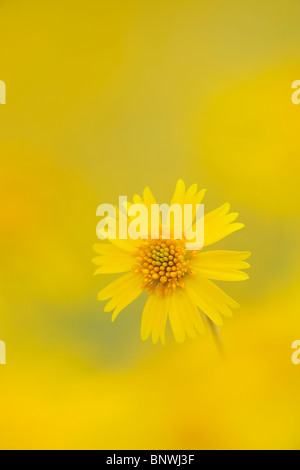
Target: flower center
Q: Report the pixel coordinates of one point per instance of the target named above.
(164, 264)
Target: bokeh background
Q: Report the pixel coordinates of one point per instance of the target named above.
(104, 98)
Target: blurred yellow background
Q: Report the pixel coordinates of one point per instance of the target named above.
(105, 98)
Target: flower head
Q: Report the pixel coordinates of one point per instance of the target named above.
(164, 264)
(178, 280)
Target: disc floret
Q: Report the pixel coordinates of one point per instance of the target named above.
(164, 264)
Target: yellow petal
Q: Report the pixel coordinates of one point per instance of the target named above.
(179, 193)
(147, 317)
(218, 224)
(184, 315)
(137, 199)
(160, 320)
(154, 318)
(148, 197)
(176, 320)
(122, 292)
(132, 295)
(191, 192)
(105, 248)
(191, 196)
(182, 197)
(222, 265)
(211, 300)
(108, 291)
(112, 259)
(194, 315)
(113, 267)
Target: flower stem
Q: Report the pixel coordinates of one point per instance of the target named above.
(216, 336)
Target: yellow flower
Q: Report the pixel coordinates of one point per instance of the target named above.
(178, 281)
